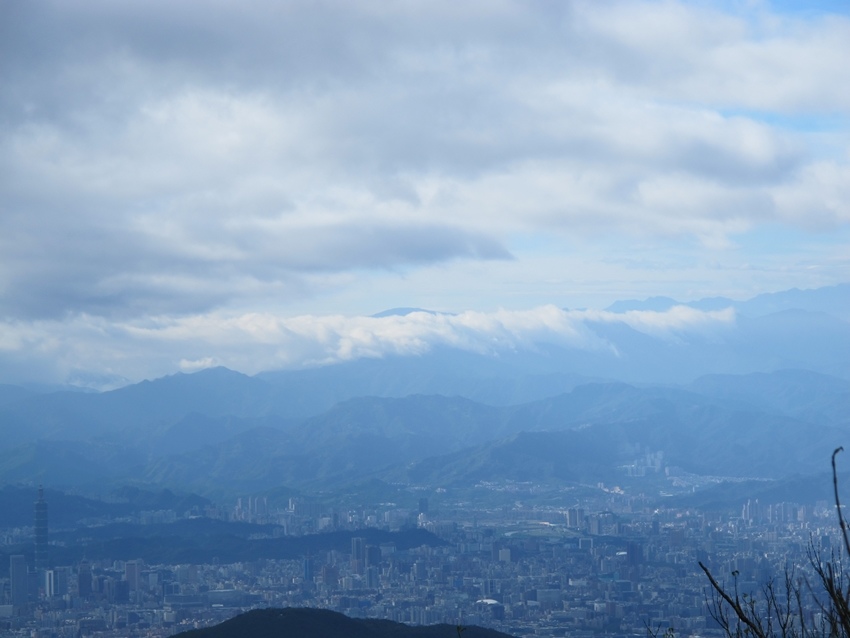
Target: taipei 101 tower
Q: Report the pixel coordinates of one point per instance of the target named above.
(40, 532)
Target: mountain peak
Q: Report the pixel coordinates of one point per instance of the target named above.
(655, 304)
(402, 312)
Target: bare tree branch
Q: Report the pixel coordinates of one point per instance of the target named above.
(780, 608)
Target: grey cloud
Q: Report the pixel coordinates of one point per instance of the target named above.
(367, 246)
(432, 87)
(163, 157)
(731, 167)
(429, 87)
(100, 272)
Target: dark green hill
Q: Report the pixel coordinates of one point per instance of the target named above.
(66, 463)
(204, 541)
(66, 510)
(321, 623)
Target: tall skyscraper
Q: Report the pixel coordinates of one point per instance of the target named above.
(49, 583)
(132, 571)
(84, 584)
(40, 532)
(358, 554)
(19, 581)
(373, 556)
(308, 572)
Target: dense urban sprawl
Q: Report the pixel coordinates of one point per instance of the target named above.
(612, 564)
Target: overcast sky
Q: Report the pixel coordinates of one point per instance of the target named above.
(186, 184)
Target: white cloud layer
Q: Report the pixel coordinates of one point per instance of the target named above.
(195, 162)
(112, 352)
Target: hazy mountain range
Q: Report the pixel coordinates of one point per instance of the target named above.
(767, 398)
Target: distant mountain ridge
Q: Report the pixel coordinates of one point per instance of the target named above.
(729, 425)
(833, 300)
(765, 394)
(803, 394)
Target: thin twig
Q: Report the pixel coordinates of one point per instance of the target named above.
(734, 604)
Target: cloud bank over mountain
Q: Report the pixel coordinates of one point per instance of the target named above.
(256, 342)
(167, 166)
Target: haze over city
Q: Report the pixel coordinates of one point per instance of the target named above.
(193, 185)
